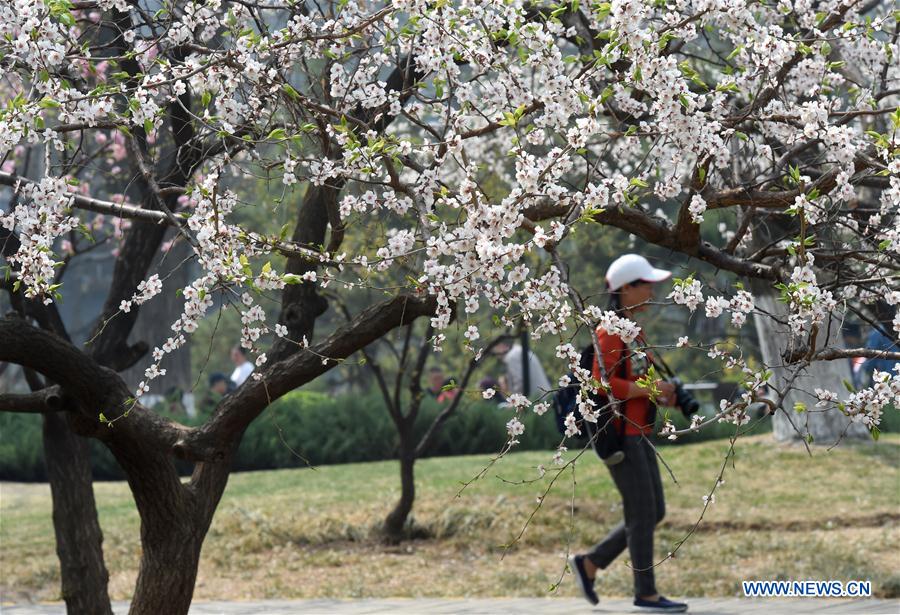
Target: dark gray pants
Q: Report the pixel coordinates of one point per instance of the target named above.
(637, 478)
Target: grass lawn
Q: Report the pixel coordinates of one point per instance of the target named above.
(780, 514)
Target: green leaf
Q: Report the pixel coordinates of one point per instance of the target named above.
(730, 86)
(799, 407)
(291, 278)
(606, 93)
(277, 134)
(637, 181)
(245, 265)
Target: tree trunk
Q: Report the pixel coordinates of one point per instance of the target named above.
(171, 555)
(153, 326)
(825, 427)
(395, 522)
(78, 536)
(175, 518)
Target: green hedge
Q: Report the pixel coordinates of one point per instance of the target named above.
(304, 427)
(322, 429)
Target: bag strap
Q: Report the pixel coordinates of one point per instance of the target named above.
(622, 367)
(623, 373)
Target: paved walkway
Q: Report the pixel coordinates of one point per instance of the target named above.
(529, 606)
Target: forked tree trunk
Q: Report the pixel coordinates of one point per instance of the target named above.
(825, 427)
(78, 535)
(395, 522)
(175, 518)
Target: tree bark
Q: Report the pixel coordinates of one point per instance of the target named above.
(175, 518)
(79, 539)
(153, 326)
(78, 535)
(395, 522)
(824, 426)
(169, 562)
(301, 303)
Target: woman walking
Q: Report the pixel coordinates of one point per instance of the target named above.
(631, 280)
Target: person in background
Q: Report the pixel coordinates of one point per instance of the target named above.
(242, 367)
(631, 281)
(511, 355)
(438, 383)
(878, 341)
(219, 387)
(220, 384)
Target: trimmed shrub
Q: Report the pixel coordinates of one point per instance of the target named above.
(306, 427)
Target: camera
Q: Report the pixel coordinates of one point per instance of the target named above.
(683, 398)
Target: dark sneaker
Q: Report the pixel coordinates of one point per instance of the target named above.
(576, 562)
(663, 605)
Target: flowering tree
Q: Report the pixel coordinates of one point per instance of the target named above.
(434, 145)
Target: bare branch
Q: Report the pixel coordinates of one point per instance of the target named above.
(832, 354)
(119, 210)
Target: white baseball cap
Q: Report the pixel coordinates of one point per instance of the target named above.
(630, 268)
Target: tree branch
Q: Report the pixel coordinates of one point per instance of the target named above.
(45, 400)
(96, 205)
(97, 389)
(441, 418)
(832, 354)
(236, 411)
(654, 230)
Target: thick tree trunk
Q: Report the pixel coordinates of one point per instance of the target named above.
(395, 522)
(168, 569)
(175, 518)
(825, 427)
(154, 326)
(78, 536)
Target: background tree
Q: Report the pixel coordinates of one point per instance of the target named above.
(403, 396)
(458, 144)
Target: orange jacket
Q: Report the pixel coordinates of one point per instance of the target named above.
(637, 409)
